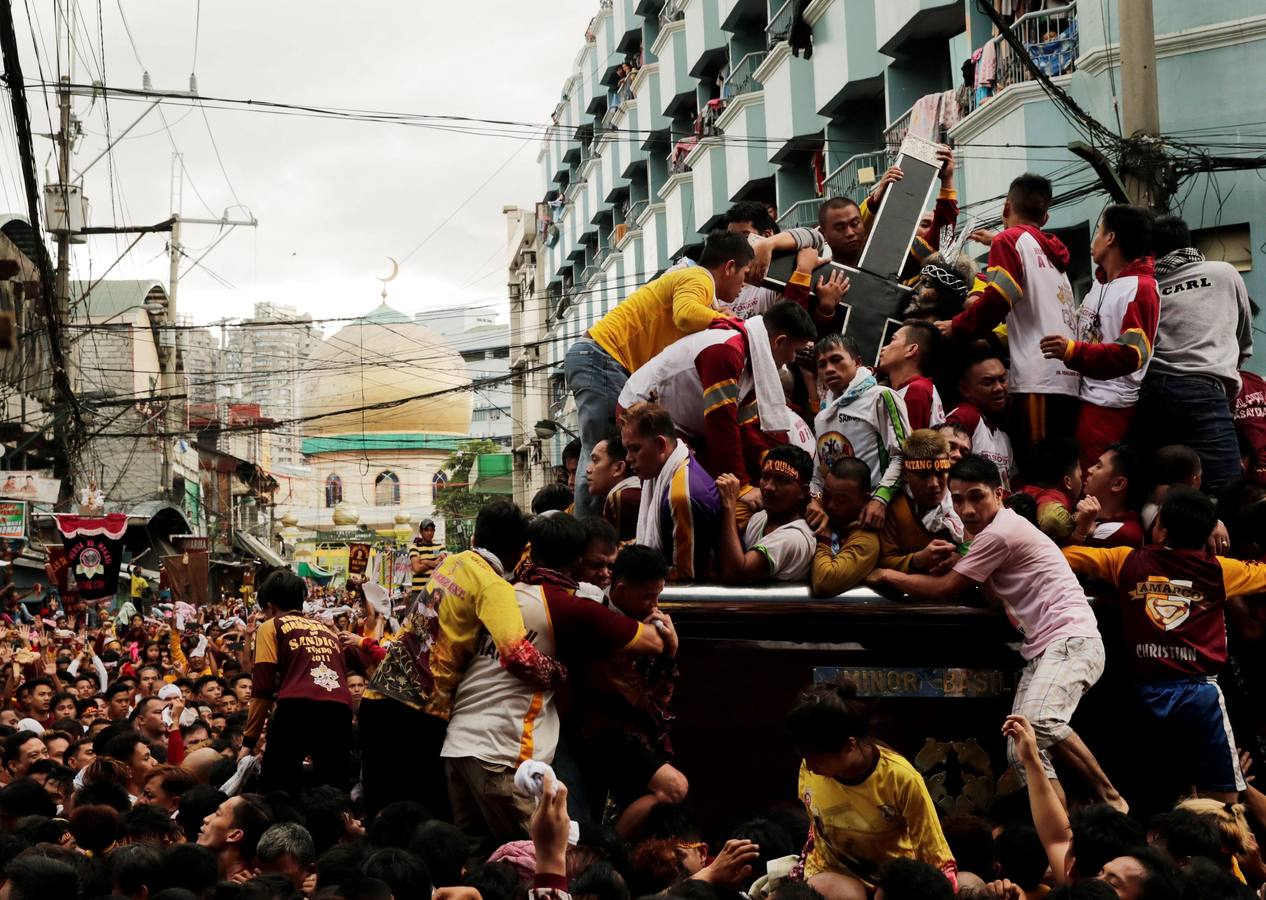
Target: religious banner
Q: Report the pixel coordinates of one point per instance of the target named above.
(186, 576)
(58, 571)
(357, 559)
(176, 578)
(94, 549)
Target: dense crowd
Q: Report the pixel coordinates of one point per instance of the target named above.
(502, 727)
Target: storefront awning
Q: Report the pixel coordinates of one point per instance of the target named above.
(493, 473)
(253, 546)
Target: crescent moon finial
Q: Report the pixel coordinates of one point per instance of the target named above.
(395, 270)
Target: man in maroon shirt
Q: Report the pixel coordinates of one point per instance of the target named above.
(300, 664)
(1173, 623)
(1249, 415)
(1104, 517)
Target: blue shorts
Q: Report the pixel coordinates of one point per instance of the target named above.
(1194, 711)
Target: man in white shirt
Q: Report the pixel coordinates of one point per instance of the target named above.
(778, 544)
(500, 721)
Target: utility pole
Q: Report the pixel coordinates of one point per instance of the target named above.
(61, 283)
(1140, 103)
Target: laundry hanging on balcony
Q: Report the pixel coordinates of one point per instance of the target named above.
(925, 117)
(1054, 56)
(801, 35)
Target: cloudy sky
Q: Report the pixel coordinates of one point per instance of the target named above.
(333, 198)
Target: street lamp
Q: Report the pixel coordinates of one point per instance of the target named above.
(547, 428)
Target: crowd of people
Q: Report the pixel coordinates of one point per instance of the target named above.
(505, 729)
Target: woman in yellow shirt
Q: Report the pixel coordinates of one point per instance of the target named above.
(867, 804)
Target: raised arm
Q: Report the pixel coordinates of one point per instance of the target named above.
(1049, 816)
(1002, 291)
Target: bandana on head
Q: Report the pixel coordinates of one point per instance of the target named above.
(946, 278)
(927, 465)
(782, 467)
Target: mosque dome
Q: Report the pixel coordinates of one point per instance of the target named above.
(382, 358)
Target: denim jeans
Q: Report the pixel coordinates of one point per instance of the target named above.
(1191, 410)
(595, 380)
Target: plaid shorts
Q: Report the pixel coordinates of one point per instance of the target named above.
(1050, 688)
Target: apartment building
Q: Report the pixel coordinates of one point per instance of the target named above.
(673, 110)
(264, 359)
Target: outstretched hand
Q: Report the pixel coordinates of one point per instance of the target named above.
(1020, 730)
(732, 866)
(549, 826)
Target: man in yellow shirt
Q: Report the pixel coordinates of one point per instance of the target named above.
(867, 804)
(676, 304)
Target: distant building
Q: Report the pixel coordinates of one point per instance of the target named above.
(485, 346)
(265, 359)
(530, 331)
(118, 351)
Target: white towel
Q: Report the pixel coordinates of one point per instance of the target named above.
(771, 402)
(654, 490)
(530, 779)
(943, 518)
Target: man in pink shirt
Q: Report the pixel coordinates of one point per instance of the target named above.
(1023, 570)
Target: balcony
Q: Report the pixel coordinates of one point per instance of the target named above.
(742, 77)
(801, 215)
(590, 272)
(600, 258)
(677, 91)
(1051, 39)
(854, 178)
(779, 27)
(895, 133)
(901, 25)
(847, 67)
(635, 212)
(672, 11)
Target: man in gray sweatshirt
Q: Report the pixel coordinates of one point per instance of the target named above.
(1205, 334)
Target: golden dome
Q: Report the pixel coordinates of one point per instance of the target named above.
(289, 520)
(403, 518)
(385, 357)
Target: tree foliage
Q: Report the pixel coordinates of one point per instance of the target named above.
(457, 501)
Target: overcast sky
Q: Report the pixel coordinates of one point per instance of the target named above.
(334, 199)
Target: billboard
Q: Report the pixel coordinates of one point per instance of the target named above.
(30, 486)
